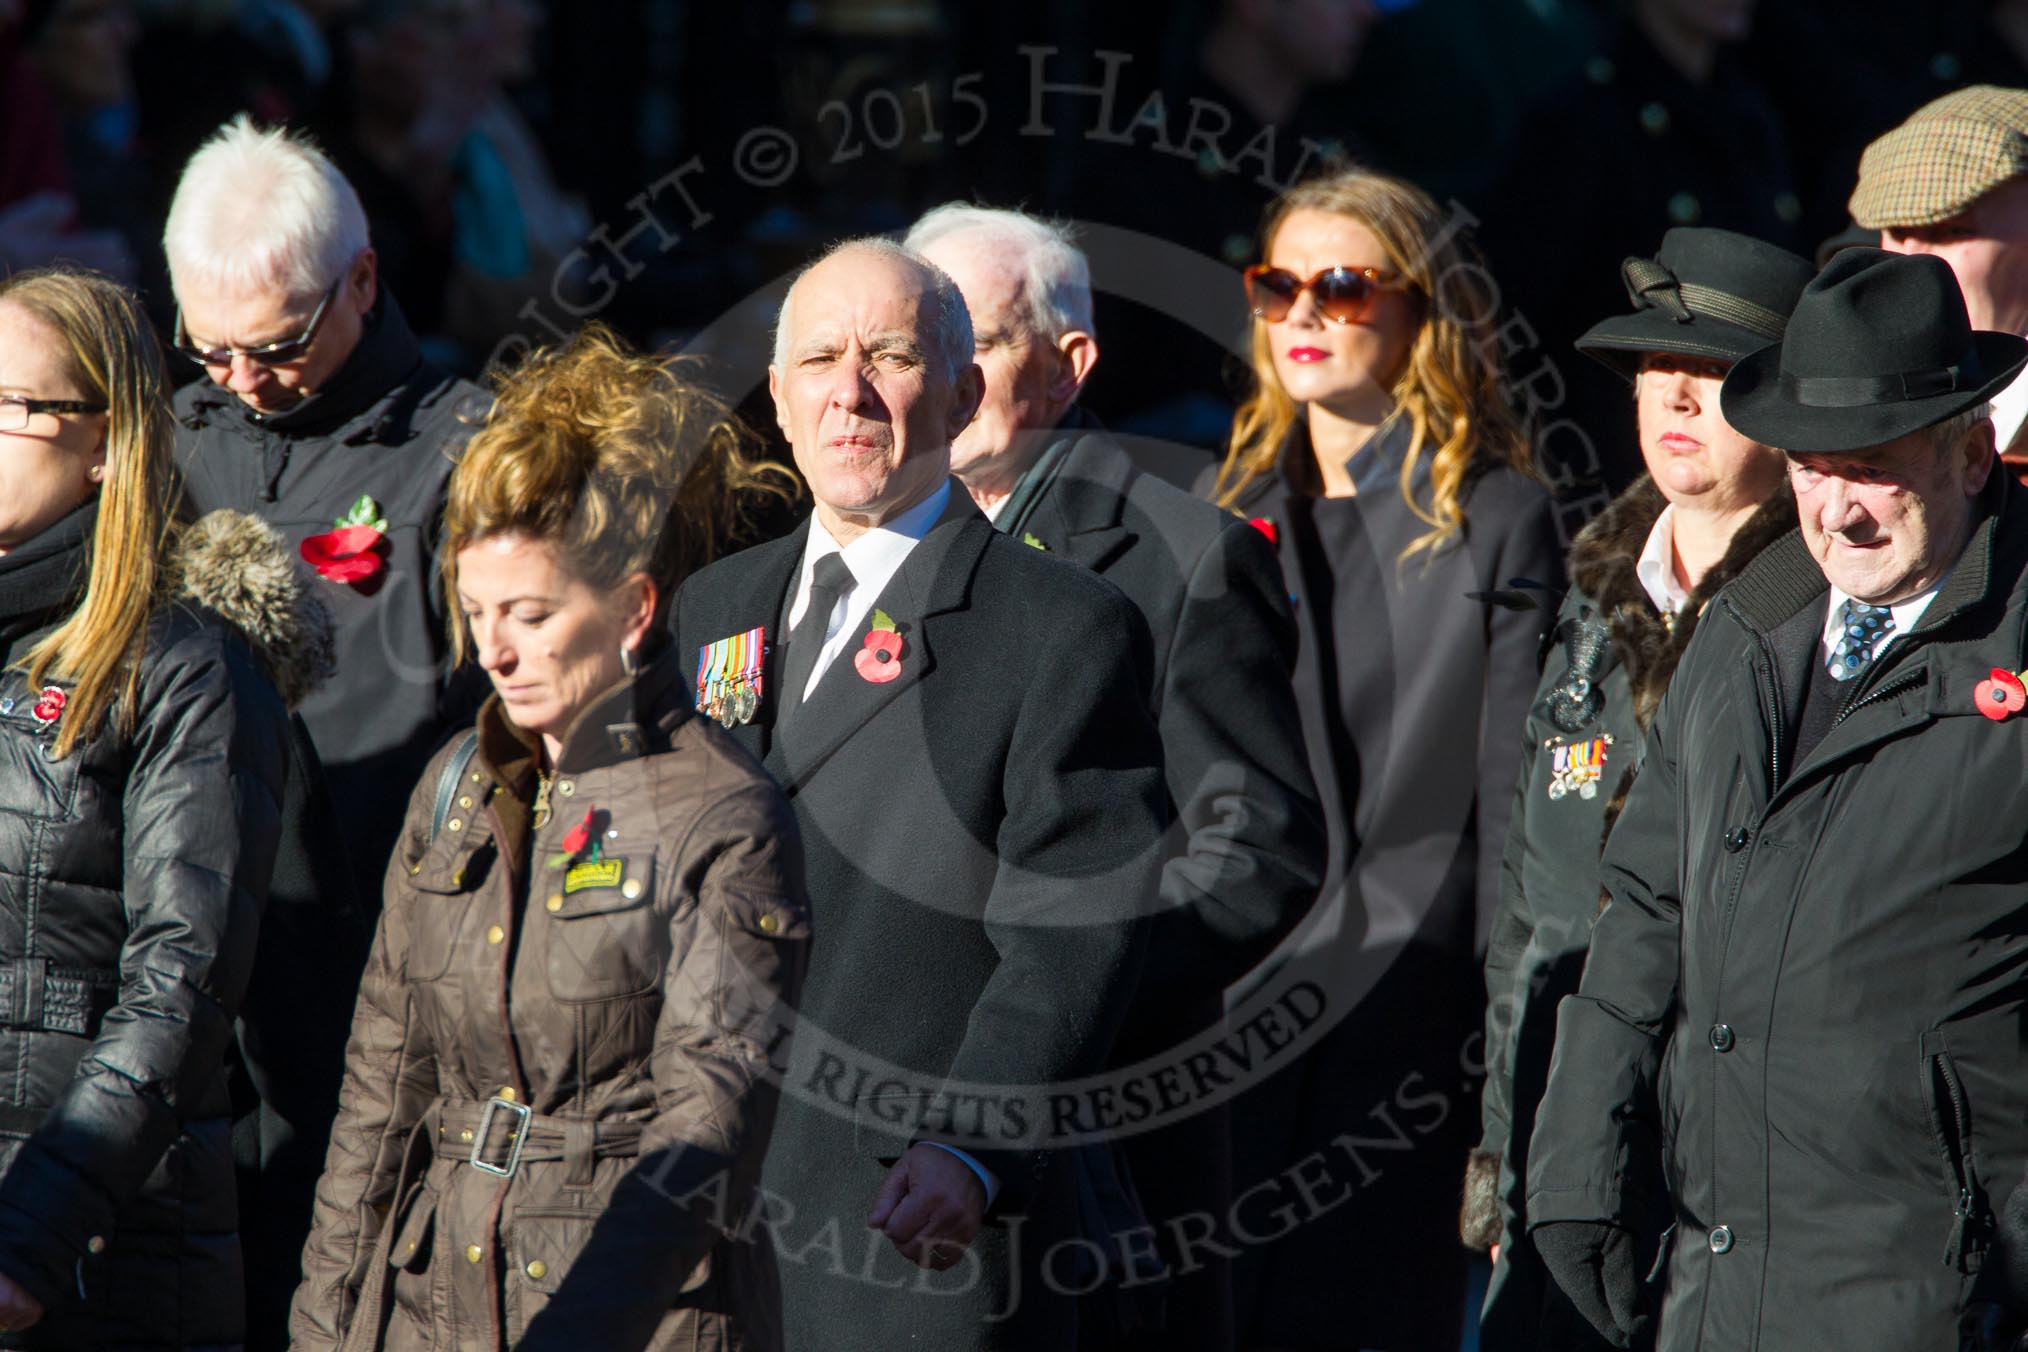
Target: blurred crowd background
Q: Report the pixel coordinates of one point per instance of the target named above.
(664, 164)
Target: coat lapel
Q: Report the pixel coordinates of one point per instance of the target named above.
(933, 581)
(1078, 516)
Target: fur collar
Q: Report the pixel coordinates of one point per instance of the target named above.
(1602, 563)
(241, 569)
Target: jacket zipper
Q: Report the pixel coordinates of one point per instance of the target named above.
(1893, 687)
(1966, 1222)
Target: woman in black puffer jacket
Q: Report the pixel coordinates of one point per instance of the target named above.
(142, 759)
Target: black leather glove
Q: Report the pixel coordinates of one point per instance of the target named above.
(1595, 1264)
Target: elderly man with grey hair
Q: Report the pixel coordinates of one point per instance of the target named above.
(959, 722)
(319, 414)
(1246, 842)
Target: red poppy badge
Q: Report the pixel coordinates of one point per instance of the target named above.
(879, 657)
(351, 552)
(2001, 695)
(1266, 527)
(48, 706)
(584, 834)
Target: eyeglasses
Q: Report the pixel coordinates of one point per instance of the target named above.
(267, 354)
(16, 410)
(1344, 295)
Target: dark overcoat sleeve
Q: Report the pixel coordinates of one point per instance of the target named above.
(1599, 1114)
(1513, 924)
(1532, 548)
(1079, 847)
(1513, 928)
(1237, 773)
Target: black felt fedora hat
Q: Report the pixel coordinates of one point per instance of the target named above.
(1708, 293)
(1879, 346)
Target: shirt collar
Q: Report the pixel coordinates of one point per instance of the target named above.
(1907, 614)
(877, 554)
(1656, 567)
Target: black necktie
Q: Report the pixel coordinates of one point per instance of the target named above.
(829, 580)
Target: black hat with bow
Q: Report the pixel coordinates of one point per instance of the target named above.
(1708, 293)
(1879, 346)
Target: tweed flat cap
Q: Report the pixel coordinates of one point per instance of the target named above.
(1949, 153)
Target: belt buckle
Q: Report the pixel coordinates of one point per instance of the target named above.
(513, 1164)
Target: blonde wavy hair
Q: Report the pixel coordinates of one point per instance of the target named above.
(1451, 388)
(115, 360)
(621, 460)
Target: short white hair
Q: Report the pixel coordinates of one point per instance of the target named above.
(1055, 275)
(950, 334)
(261, 210)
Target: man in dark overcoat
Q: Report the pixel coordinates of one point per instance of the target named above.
(960, 724)
(1805, 993)
(1245, 857)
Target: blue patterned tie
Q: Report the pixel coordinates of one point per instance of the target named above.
(1862, 629)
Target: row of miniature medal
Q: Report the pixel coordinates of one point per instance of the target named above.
(729, 677)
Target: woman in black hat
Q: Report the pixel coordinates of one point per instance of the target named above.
(1641, 574)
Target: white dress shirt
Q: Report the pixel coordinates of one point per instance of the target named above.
(1906, 615)
(874, 559)
(1656, 568)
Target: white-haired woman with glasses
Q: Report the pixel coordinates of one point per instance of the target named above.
(1378, 451)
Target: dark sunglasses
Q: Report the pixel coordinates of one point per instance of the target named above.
(267, 354)
(1344, 295)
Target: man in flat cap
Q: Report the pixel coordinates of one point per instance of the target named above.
(1805, 992)
(1953, 181)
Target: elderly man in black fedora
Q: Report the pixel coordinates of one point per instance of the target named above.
(1805, 991)
(1642, 574)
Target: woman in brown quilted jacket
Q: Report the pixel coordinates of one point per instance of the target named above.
(558, 1087)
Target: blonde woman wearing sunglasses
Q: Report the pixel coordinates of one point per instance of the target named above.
(1378, 453)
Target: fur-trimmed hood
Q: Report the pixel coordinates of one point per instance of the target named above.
(242, 569)
(1602, 560)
